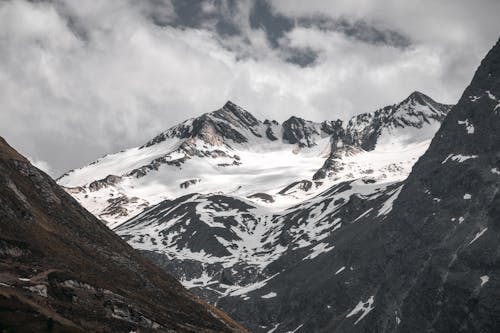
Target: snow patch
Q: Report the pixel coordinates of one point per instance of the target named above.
(479, 234)
(387, 206)
(296, 329)
(490, 95)
(459, 158)
(467, 196)
(251, 287)
(363, 215)
(319, 249)
(340, 270)
(270, 295)
(273, 329)
(484, 279)
(363, 307)
(468, 126)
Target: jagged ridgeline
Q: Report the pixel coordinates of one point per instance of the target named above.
(274, 165)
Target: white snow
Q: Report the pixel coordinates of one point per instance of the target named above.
(484, 279)
(461, 219)
(263, 166)
(459, 158)
(341, 269)
(251, 287)
(495, 171)
(239, 170)
(270, 295)
(479, 234)
(364, 214)
(363, 307)
(319, 249)
(387, 206)
(467, 196)
(203, 280)
(273, 329)
(468, 126)
(497, 107)
(296, 329)
(24, 279)
(490, 95)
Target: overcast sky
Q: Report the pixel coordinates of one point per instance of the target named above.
(82, 78)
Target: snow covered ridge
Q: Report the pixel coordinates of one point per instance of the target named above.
(229, 151)
(220, 246)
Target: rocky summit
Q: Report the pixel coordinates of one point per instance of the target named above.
(230, 152)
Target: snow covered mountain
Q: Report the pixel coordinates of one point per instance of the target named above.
(228, 201)
(273, 165)
(373, 251)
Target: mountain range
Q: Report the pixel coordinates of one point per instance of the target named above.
(274, 165)
(226, 202)
(387, 222)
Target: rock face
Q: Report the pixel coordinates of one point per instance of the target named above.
(415, 111)
(418, 255)
(229, 151)
(62, 270)
(300, 131)
(409, 121)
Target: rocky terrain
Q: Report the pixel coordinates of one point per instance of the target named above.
(363, 255)
(62, 270)
(230, 152)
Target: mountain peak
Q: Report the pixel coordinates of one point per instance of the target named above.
(420, 98)
(229, 105)
(416, 94)
(235, 115)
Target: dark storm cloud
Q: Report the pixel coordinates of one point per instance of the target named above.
(358, 30)
(274, 24)
(84, 78)
(221, 16)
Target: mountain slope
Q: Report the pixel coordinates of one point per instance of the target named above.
(62, 270)
(230, 152)
(363, 255)
(430, 264)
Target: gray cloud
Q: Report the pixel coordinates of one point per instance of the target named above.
(84, 78)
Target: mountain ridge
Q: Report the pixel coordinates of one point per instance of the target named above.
(199, 151)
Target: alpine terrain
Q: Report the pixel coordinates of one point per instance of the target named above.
(271, 165)
(249, 166)
(62, 270)
(229, 204)
(370, 249)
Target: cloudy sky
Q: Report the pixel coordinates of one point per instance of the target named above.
(82, 78)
